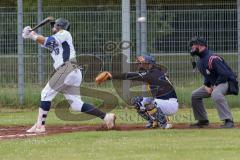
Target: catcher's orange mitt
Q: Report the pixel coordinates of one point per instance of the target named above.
(102, 77)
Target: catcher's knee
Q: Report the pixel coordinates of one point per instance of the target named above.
(144, 115)
(136, 102)
(156, 114)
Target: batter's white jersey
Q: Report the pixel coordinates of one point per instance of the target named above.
(67, 79)
(61, 47)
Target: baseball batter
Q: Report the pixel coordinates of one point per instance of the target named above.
(67, 77)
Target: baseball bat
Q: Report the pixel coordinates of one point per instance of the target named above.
(43, 22)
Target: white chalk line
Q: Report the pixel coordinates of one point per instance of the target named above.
(18, 135)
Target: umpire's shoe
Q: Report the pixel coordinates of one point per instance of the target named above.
(200, 124)
(109, 119)
(228, 123)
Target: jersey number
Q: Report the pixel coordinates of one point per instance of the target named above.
(56, 51)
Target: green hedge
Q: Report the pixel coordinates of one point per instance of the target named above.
(9, 97)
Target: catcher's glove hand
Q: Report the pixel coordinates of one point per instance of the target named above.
(102, 77)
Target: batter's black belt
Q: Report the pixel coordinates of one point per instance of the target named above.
(75, 64)
(67, 62)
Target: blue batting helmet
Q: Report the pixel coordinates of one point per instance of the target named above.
(61, 23)
(146, 59)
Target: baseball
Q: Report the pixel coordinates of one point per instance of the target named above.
(141, 19)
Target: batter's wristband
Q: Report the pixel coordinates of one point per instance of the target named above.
(34, 37)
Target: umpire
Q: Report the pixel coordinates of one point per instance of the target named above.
(219, 80)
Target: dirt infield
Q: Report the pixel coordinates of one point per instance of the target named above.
(16, 132)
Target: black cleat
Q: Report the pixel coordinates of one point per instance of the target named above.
(200, 124)
(228, 123)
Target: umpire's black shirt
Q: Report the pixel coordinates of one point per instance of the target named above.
(159, 84)
(214, 69)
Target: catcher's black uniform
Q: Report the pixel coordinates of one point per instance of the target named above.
(159, 84)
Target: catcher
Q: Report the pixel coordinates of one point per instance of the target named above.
(163, 102)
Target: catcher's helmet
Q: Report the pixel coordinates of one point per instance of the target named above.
(61, 23)
(146, 59)
(198, 40)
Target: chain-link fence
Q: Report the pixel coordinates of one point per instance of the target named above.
(169, 29)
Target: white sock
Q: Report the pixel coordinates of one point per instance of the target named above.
(42, 115)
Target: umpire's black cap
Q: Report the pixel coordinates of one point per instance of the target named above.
(198, 41)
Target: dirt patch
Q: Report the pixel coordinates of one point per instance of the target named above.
(16, 132)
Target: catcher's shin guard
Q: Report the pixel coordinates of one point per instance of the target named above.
(144, 115)
(159, 118)
(152, 119)
(142, 110)
(136, 101)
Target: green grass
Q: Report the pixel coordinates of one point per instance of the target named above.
(9, 97)
(128, 116)
(173, 144)
(151, 144)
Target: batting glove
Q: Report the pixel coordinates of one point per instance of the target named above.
(27, 33)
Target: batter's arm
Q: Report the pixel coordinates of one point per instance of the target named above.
(40, 39)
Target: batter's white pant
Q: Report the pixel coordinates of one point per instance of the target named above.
(66, 80)
(168, 107)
